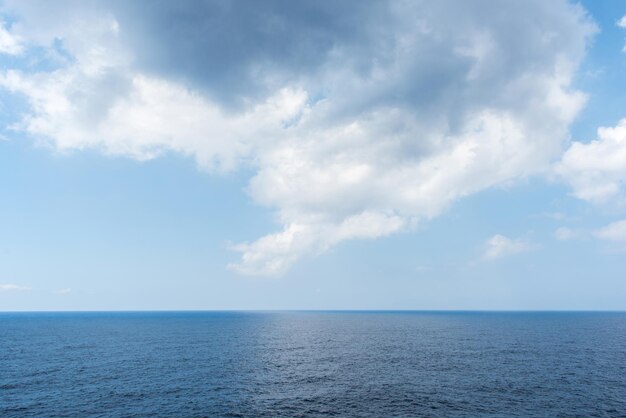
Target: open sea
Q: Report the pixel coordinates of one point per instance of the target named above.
(249, 364)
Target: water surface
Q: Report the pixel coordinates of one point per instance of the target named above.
(313, 363)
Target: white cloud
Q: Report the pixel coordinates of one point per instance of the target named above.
(500, 246)
(275, 253)
(566, 234)
(597, 170)
(361, 142)
(62, 291)
(13, 287)
(9, 43)
(154, 117)
(615, 231)
(559, 216)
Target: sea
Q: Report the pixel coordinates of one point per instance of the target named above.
(317, 364)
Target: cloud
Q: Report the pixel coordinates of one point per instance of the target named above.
(154, 117)
(13, 287)
(558, 216)
(359, 119)
(596, 171)
(9, 44)
(62, 291)
(615, 231)
(500, 246)
(275, 253)
(566, 234)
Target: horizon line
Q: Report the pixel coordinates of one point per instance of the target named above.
(321, 310)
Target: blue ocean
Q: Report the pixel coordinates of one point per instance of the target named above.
(251, 364)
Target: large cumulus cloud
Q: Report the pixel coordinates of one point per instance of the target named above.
(360, 118)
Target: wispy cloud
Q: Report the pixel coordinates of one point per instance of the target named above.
(64, 291)
(500, 246)
(7, 287)
(557, 216)
(567, 234)
(615, 231)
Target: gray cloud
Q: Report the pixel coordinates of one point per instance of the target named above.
(238, 50)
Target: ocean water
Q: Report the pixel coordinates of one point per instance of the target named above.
(378, 364)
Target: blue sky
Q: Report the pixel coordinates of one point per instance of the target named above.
(303, 155)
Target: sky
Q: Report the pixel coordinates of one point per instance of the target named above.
(312, 155)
